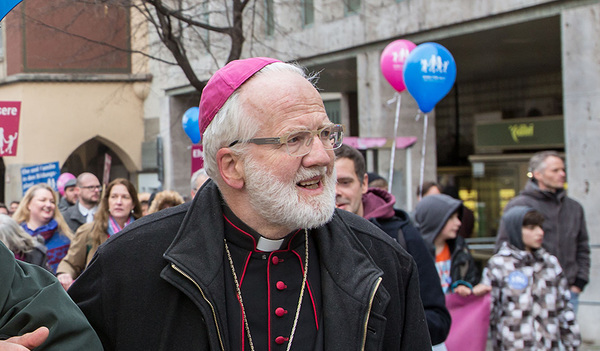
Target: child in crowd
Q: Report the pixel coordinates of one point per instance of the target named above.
(438, 219)
(530, 297)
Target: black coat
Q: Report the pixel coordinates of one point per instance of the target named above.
(158, 285)
(434, 302)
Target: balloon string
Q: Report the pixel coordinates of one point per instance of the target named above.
(423, 149)
(398, 99)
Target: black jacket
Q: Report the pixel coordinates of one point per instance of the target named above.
(158, 285)
(434, 303)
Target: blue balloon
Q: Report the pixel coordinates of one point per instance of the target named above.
(190, 124)
(429, 74)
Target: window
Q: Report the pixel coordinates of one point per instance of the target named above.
(333, 109)
(308, 12)
(351, 6)
(270, 17)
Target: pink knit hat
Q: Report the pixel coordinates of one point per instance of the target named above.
(224, 82)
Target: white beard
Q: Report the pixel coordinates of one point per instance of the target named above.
(280, 203)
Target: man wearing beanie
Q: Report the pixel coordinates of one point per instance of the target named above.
(437, 217)
(260, 259)
(530, 294)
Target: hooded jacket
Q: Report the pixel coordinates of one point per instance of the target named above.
(378, 207)
(158, 284)
(565, 231)
(431, 214)
(530, 296)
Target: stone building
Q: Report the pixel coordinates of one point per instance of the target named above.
(524, 65)
(527, 66)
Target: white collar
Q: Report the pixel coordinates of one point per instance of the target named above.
(268, 245)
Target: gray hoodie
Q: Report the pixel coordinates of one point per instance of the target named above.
(432, 213)
(513, 223)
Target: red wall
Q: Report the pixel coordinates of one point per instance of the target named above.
(66, 36)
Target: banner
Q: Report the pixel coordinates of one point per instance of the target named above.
(197, 158)
(10, 114)
(470, 322)
(46, 173)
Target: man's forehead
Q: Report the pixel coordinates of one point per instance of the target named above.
(554, 162)
(345, 163)
(88, 178)
(282, 93)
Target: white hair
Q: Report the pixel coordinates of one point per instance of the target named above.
(232, 122)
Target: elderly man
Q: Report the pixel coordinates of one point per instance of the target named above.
(260, 259)
(565, 231)
(377, 205)
(83, 211)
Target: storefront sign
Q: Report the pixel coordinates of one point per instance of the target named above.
(523, 133)
(10, 113)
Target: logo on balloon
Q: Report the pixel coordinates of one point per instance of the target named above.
(429, 74)
(392, 62)
(190, 124)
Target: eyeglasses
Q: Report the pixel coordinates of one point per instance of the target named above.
(299, 143)
(92, 187)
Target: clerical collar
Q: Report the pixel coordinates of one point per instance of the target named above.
(251, 240)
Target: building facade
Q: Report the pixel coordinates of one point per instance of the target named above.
(527, 81)
(80, 89)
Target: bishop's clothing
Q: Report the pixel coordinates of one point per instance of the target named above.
(162, 284)
(278, 276)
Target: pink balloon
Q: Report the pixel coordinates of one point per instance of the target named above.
(392, 62)
(62, 179)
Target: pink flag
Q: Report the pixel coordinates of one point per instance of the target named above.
(470, 322)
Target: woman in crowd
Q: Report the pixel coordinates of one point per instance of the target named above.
(25, 247)
(39, 216)
(165, 199)
(118, 208)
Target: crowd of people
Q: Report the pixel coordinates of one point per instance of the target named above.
(287, 243)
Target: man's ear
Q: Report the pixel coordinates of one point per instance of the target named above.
(230, 168)
(365, 184)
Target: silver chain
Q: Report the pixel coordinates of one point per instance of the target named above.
(239, 293)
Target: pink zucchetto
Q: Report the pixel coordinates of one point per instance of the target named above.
(224, 82)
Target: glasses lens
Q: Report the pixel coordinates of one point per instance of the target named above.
(298, 142)
(332, 137)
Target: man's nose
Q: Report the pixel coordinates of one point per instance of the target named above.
(317, 156)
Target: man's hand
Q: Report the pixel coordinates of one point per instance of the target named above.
(575, 289)
(65, 280)
(25, 342)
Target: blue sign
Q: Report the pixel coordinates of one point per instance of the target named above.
(47, 173)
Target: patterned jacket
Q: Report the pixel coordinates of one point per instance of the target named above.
(530, 301)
